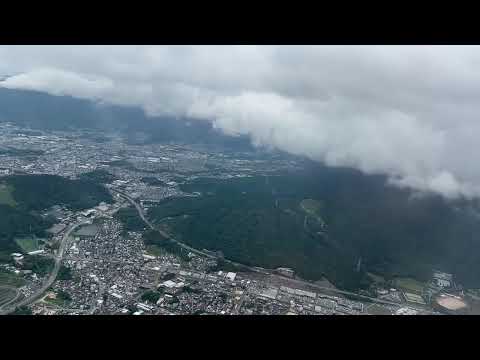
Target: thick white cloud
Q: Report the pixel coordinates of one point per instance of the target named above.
(43, 78)
(411, 112)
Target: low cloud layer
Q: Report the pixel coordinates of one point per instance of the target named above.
(409, 112)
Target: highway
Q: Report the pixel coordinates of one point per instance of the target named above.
(53, 275)
(259, 270)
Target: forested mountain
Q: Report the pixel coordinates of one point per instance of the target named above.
(395, 233)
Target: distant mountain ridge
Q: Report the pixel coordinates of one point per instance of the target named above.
(43, 111)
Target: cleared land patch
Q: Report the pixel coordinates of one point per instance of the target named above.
(410, 285)
(28, 243)
(313, 208)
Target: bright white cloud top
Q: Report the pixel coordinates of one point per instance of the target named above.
(411, 112)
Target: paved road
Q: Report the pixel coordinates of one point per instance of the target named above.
(53, 275)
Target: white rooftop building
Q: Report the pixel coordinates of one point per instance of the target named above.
(442, 279)
(169, 284)
(231, 276)
(36, 252)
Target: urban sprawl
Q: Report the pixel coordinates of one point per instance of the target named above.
(114, 272)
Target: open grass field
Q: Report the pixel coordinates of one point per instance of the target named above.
(312, 208)
(409, 285)
(6, 196)
(28, 243)
(11, 279)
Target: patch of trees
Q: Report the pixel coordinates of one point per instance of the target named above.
(192, 289)
(99, 176)
(64, 273)
(130, 219)
(40, 265)
(64, 296)
(151, 296)
(22, 310)
(153, 237)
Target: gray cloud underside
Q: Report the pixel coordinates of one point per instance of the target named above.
(408, 112)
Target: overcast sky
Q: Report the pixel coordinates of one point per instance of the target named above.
(411, 112)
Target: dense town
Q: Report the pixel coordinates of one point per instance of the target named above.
(103, 269)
